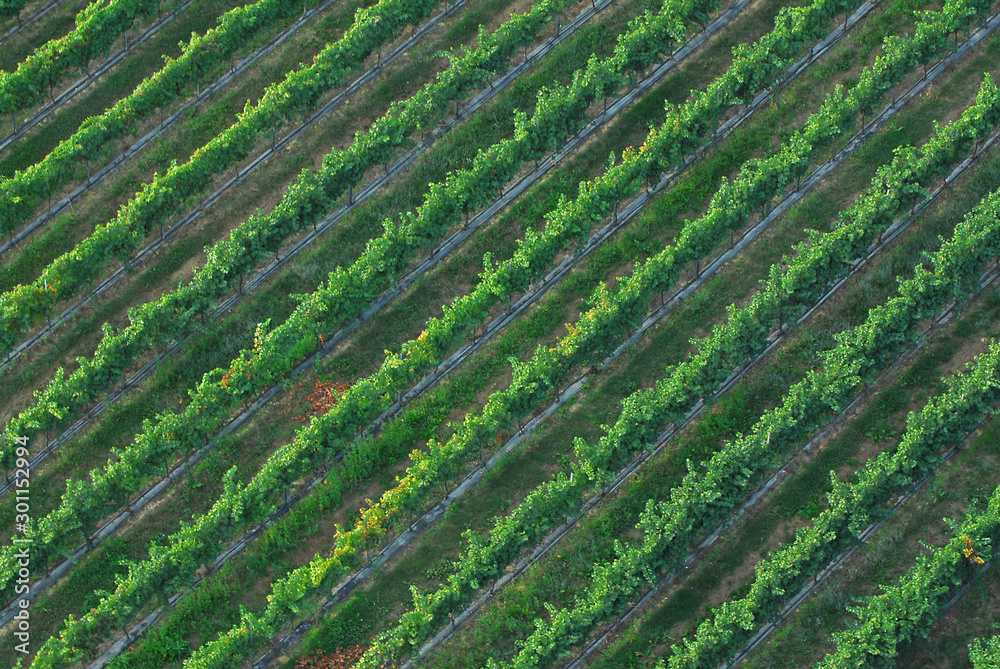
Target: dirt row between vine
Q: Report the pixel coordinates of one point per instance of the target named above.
(25, 23)
(511, 194)
(153, 491)
(816, 52)
(702, 548)
(863, 539)
(242, 175)
(418, 526)
(123, 157)
(84, 82)
(634, 466)
(239, 420)
(789, 465)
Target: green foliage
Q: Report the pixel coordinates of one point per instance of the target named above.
(707, 495)
(22, 192)
(985, 654)
(818, 263)
(257, 238)
(220, 391)
(12, 7)
(97, 27)
(905, 611)
(559, 112)
(850, 508)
